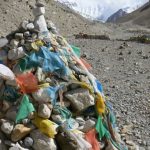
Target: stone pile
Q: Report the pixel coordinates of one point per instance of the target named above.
(48, 98)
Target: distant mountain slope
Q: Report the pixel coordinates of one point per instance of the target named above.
(141, 16)
(12, 12)
(113, 18)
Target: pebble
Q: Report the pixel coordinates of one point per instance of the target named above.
(25, 121)
(7, 126)
(132, 145)
(126, 128)
(28, 142)
(19, 36)
(30, 26)
(27, 34)
(34, 36)
(19, 132)
(14, 43)
(24, 25)
(44, 111)
(3, 42)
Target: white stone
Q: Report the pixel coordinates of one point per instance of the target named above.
(44, 111)
(30, 26)
(24, 24)
(80, 98)
(40, 24)
(41, 96)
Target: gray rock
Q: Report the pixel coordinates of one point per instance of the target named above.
(24, 25)
(11, 113)
(3, 42)
(28, 142)
(40, 3)
(7, 127)
(38, 11)
(80, 98)
(11, 83)
(2, 145)
(42, 141)
(27, 34)
(44, 111)
(19, 36)
(89, 124)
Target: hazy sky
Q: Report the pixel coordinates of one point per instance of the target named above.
(108, 6)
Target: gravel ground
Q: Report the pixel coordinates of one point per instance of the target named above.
(125, 75)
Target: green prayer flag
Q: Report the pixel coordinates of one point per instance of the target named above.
(100, 128)
(25, 109)
(76, 50)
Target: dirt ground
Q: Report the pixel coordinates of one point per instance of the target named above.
(123, 68)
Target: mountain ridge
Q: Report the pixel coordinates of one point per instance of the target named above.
(139, 16)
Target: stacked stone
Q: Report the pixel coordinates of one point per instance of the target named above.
(64, 102)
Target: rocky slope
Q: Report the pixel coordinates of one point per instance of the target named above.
(140, 16)
(113, 18)
(13, 12)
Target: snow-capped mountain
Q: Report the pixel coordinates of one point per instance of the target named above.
(93, 12)
(98, 11)
(120, 13)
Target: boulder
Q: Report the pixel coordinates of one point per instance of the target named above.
(80, 98)
(42, 141)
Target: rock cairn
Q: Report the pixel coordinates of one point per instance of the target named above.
(49, 99)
